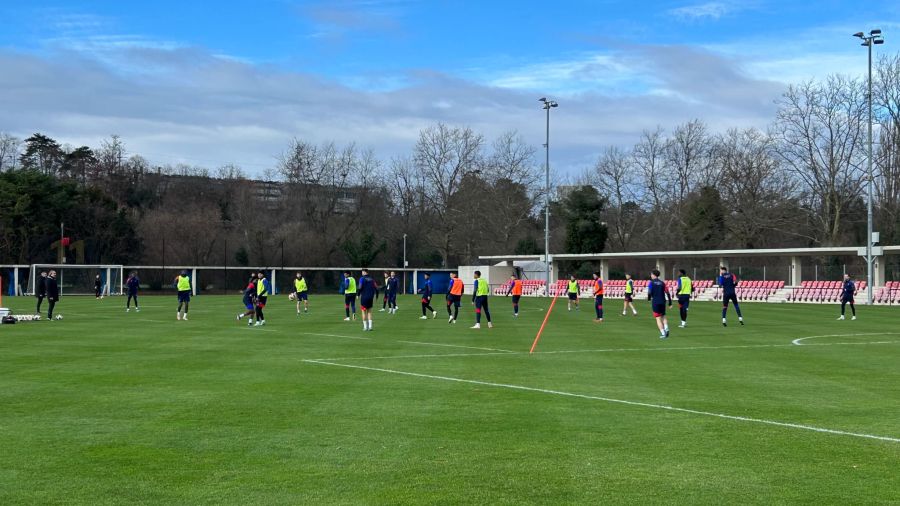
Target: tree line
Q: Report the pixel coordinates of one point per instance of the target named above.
(456, 195)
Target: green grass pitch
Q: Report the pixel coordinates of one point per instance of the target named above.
(106, 407)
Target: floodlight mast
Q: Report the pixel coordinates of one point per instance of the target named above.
(547, 105)
(870, 40)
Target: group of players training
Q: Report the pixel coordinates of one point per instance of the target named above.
(366, 291)
(659, 297)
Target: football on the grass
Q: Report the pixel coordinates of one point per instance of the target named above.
(59, 317)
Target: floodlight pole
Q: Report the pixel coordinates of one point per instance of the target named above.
(548, 104)
(873, 38)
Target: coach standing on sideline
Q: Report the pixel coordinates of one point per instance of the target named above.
(52, 292)
(40, 291)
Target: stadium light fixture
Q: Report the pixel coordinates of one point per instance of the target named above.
(547, 105)
(870, 40)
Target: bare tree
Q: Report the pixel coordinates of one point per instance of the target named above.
(445, 156)
(407, 190)
(515, 186)
(819, 128)
(763, 208)
(887, 169)
(328, 186)
(111, 156)
(9, 151)
(688, 159)
(649, 158)
(615, 176)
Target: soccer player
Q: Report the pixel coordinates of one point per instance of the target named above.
(598, 297)
(183, 285)
(685, 291)
(301, 293)
(348, 288)
(391, 288)
(454, 296)
(847, 292)
(52, 289)
(629, 296)
(249, 300)
(132, 285)
(427, 291)
(384, 300)
(263, 289)
(515, 288)
(98, 287)
(480, 299)
(41, 291)
(368, 292)
(573, 292)
(729, 282)
(657, 294)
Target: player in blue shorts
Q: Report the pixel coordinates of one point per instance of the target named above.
(249, 299)
(348, 288)
(301, 292)
(657, 294)
(684, 291)
(263, 290)
(183, 285)
(481, 292)
(368, 292)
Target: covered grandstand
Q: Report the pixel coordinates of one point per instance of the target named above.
(787, 282)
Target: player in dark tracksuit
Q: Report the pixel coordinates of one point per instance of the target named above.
(98, 287)
(384, 300)
(390, 292)
(427, 292)
(847, 292)
(132, 285)
(729, 282)
(41, 291)
(52, 294)
(658, 294)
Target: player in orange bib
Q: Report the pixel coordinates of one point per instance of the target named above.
(454, 297)
(515, 288)
(598, 297)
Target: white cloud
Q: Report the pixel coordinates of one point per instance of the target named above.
(707, 10)
(186, 104)
(575, 74)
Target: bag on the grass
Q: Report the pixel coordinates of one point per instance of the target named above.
(8, 319)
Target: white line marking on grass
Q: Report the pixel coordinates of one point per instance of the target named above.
(334, 335)
(605, 350)
(615, 401)
(457, 346)
(799, 340)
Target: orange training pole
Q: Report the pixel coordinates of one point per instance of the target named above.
(541, 330)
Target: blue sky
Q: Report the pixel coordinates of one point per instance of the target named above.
(215, 82)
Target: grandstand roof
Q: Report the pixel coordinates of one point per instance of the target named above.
(724, 253)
